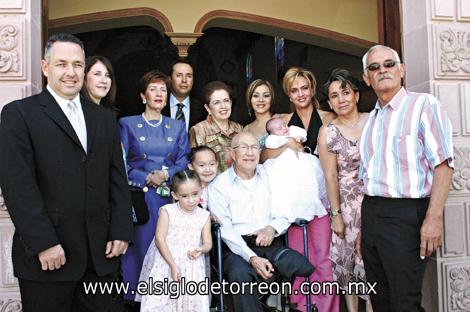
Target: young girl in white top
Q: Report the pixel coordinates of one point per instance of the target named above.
(203, 160)
(182, 238)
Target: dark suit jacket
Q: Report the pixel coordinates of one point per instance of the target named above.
(57, 193)
(197, 112)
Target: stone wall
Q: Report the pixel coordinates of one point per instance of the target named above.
(20, 76)
(436, 41)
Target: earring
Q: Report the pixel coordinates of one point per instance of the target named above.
(144, 101)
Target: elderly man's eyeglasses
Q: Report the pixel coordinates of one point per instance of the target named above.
(219, 102)
(387, 64)
(245, 148)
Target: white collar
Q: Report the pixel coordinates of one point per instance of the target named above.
(174, 101)
(63, 102)
(233, 174)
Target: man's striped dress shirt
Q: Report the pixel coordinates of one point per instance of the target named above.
(402, 143)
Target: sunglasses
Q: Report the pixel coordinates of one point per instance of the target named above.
(386, 64)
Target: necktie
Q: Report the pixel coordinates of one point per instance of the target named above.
(179, 113)
(78, 123)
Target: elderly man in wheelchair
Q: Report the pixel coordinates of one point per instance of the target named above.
(253, 249)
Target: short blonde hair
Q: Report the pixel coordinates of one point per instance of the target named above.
(295, 72)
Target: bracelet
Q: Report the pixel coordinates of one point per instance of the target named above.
(334, 212)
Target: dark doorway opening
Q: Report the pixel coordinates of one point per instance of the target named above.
(133, 51)
(222, 54)
(233, 56)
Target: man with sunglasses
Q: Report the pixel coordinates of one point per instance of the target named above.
(240, 198)
(406, 165)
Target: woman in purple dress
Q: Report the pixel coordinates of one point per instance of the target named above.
(339, 155)
(156, 147)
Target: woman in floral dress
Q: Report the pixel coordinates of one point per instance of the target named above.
(339, 155)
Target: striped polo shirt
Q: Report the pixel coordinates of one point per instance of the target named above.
(402, 143)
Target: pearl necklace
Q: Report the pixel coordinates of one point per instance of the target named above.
(151, 124)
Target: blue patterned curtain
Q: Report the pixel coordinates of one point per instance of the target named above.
(280, 56)
(249, 68)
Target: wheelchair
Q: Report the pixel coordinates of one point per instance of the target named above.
(311, 307)
(220, 303)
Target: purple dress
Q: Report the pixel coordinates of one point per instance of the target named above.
(347, 267)
(149, 147)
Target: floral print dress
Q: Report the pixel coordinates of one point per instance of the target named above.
(184, 233)
(347, 267)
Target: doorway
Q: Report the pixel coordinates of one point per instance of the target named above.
(235, 57)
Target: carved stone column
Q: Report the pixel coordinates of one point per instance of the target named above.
(436, 37)
(183, 41)
(9, 292)
(20, 76)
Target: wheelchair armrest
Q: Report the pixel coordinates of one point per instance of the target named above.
(215, 225)
(301, 222)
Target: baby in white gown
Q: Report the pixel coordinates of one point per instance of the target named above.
(297, 180)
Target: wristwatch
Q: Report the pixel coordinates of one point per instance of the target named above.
(334, 212)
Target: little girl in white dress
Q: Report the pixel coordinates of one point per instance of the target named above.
(182, 238)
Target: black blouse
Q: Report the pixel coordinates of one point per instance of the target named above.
(313, 128)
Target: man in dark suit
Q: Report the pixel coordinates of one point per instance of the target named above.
(180, 104)
(62, 176)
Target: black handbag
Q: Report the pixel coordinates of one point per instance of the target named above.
(140, 209)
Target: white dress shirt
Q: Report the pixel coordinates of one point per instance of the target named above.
(242, 209)
(174, 107)
(63, 104)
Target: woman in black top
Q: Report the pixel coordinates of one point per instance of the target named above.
(99, 85)
(299, 85)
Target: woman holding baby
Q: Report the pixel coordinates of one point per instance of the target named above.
(299, 85)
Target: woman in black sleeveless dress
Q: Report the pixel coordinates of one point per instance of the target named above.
(299, 85)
